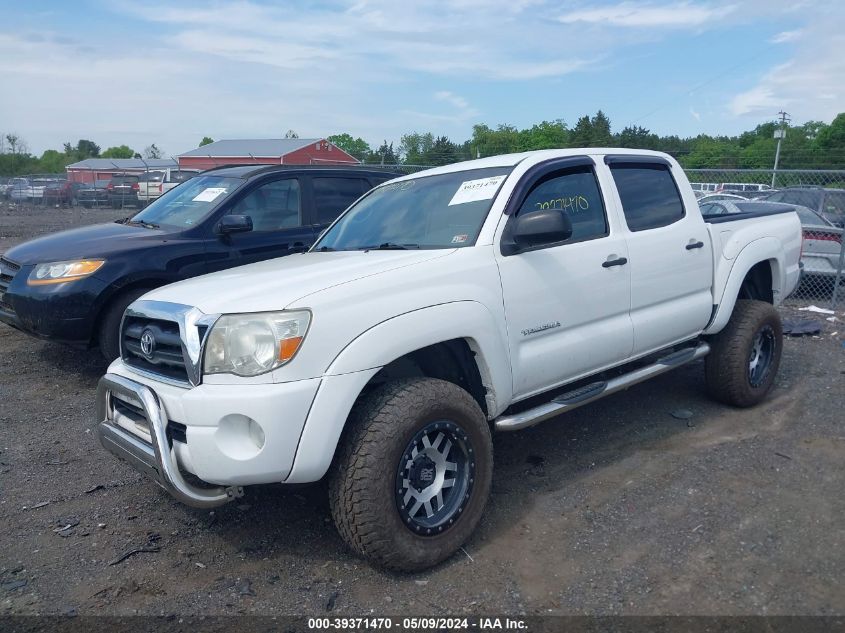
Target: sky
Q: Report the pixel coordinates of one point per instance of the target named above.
(122, 72)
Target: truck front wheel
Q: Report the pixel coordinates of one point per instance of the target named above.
(745, 356)
(413, 474)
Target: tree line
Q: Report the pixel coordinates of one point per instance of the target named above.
(15, 158)
(812, 145)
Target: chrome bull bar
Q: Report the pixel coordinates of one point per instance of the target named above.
(155, 459)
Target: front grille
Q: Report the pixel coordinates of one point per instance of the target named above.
(176, 432)
(165, 359)
(8, 270)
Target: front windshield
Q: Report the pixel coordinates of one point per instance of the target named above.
(442, 211)
(189, 203)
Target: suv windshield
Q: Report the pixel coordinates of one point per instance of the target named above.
(442, 211)
(189, 203)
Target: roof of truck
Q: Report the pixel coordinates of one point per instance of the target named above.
(511, 160)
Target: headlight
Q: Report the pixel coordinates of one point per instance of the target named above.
(252, 344)
(61, 272)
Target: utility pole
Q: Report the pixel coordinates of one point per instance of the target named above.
(780, 134)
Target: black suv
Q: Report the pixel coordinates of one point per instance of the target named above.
(74, 286)
(828, 203)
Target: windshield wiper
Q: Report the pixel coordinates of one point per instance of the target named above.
(326, 249)
(389, 246)
(146, 225)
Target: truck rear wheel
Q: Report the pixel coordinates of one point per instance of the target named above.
(413, 474)
(745, 356)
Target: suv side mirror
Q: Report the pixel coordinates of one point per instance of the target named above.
(537, 228)
(234, 224)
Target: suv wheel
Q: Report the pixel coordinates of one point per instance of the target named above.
(108, 335)
(413, 474)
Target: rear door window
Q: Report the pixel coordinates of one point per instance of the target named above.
(333, 195)
(650, 198)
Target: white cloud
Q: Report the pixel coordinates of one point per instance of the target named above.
(786, 36)
(695, 115)
(650, 15)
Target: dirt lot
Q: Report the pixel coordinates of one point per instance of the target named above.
(619, 507)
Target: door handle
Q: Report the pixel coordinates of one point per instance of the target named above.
(619, 261)
(693, 245)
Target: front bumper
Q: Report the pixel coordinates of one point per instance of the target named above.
(155, 459)
(211, 431)
(62, 312)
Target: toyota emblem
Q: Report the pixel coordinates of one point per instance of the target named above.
(148, 343)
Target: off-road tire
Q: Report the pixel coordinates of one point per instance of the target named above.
(727, 365)
(363, 480)
(108, 335)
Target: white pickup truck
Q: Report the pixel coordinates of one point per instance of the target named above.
(441, 307)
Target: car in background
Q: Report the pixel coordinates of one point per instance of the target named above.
(747, 189)
(154, 183)
(822, 245)
(74, 286)
(123, 191)
(5, 188)
(703, 188)
(829, 203)
(714, 197)
(93, 194)
(822, 252)
(61, 193)
(22, 190)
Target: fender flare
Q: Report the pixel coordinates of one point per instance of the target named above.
(353, 368)
(767, 249)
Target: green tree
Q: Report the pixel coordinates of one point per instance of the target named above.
(637, 137)
(357, 147)
(82, 150)
(291, 134)
(833, 135)
(442, 152)
(601, 136)
(582, 133)
(206, 140)
(121, 151)
(413, 146)
(384, 155)
(53, 162)
(543, 135)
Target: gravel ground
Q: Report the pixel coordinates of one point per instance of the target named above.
(617, 508)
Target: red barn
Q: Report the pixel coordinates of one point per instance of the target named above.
(271, 151)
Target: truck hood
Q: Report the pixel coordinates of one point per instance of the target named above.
(87, 242)
(277, 283)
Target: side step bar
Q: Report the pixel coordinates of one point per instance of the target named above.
(593, 391)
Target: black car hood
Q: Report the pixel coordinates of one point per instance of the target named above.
(87, 242)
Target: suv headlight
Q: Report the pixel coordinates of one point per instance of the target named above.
(61, 272)
(255, 343)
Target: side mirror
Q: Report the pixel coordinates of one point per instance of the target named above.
(234, 224)
(537, 228)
